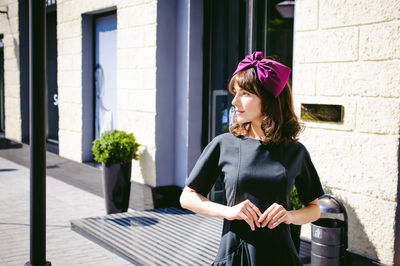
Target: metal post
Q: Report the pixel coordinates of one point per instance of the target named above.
(37, 106)
(250, 26)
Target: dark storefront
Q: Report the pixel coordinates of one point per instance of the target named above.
(51, 75)
(233, 29)
(51, 69)
(2, 120)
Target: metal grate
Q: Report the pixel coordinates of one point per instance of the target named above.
(167, 236)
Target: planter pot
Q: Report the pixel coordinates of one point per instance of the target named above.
(295, 231)
(117, 187)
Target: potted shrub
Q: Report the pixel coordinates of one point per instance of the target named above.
(116, 150)
(295, 230)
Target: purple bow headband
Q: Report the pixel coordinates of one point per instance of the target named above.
(272, 75)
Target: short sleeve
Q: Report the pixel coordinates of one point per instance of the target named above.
(307, 182)
(206, 170)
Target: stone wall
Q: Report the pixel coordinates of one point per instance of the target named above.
(348, 53)
(136, 76)
(9, 26)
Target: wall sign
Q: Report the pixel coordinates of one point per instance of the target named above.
(322, 112)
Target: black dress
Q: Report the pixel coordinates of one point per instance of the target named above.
(264, 174)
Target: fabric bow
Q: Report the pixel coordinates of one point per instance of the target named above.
(272, 75)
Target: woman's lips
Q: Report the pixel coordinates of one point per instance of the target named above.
(239, 112)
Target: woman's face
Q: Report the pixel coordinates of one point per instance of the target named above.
(247, 106)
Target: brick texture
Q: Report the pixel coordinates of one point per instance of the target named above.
(136, 75)
(347, 53)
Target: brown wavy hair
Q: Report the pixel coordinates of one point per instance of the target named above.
(280, 124)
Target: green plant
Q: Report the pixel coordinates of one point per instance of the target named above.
(294, 199)
(115, 147)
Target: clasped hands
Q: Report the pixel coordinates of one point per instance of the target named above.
(247, 211)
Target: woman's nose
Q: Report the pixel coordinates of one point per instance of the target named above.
(235, 101)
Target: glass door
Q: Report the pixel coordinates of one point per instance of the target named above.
(105, 73)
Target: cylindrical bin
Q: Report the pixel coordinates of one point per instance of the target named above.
(329, 234)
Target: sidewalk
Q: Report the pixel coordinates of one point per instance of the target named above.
(73, 192)
(64, 203)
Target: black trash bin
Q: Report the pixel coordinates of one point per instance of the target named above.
(329, 234)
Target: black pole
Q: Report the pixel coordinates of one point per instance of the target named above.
(37, 118)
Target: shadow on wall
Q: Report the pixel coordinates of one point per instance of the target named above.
(16, 51)
(15, 43)
(146, 163)
(356, 234)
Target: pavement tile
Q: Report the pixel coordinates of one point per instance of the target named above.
(64, 203)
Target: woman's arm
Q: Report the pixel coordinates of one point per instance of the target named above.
(307, 214)
(197, 203)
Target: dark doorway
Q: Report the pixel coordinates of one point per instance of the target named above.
(2, 117)
(51, 84)
(273, 34)
(224, 45)
(233, 29)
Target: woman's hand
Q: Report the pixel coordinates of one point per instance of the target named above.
(275, 215)
(245, 210)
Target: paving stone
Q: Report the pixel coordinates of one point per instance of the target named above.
(64, 203)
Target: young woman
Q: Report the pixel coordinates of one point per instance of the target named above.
(259, 160)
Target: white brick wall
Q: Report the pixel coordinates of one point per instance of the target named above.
(136, 76)
(380, 41)
(347, 53)
(335, 14)
(350, 79)
(308, 20)
(10, 28)
(333, 45)
(138, 15)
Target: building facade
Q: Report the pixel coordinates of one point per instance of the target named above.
(348, 54)
(160, 69)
